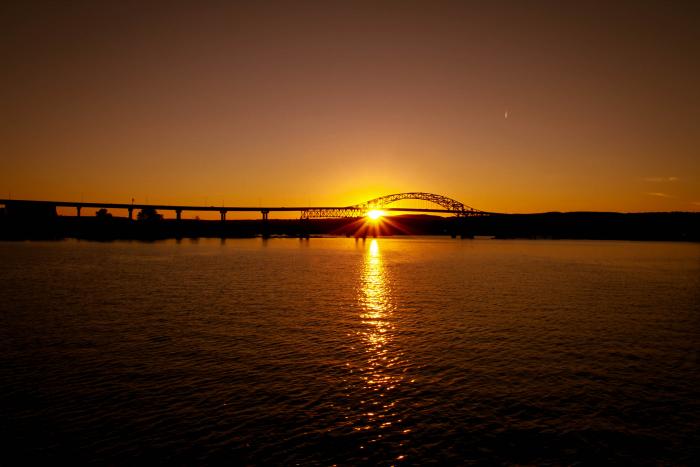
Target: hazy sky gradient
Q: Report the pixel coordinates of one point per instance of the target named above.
(333, 103)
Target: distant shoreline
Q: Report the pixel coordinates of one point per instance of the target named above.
(672, 226)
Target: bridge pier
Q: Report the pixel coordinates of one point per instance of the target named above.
(223, 215)
(462, 228)
(178, 214)
(304, 228)
(265, 230)
(78, 208)
(131, 214)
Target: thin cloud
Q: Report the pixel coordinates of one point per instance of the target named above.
(661, 195)
(660, 179)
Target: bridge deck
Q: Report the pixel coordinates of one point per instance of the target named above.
(307, 212)
(175, 207)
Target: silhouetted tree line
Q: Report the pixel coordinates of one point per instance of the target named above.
(149, 215)
(103, 214)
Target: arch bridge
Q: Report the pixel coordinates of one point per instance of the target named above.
(446, 206)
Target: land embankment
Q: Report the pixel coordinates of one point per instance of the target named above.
(666, 226)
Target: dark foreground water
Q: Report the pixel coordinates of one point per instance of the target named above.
(336, 351)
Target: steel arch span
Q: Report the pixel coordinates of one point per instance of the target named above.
(447, 205)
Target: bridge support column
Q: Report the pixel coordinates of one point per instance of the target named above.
(465, 229)
(178, 214)
(265, 228)
(78, 208)
(131, 214)
(304, 228)
(223, 215)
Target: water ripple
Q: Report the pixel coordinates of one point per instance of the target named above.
(347, 352)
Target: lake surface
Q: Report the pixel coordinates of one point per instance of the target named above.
(336, 351)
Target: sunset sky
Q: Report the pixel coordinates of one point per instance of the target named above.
(508, 107)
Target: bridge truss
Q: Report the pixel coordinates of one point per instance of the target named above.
(447, 205)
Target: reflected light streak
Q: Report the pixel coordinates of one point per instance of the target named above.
(380, 374)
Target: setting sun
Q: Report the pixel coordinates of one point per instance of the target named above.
(375, 214)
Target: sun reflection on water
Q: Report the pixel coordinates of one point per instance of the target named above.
(380, 374)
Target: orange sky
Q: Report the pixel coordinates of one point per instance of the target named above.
(331, 103)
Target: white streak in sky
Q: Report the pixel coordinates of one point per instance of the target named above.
(660, 179)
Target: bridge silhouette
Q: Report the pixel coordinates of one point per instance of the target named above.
(446, 206)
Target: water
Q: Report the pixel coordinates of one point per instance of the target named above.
(336, 351)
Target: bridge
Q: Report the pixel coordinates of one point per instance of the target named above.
(444, 204)
(447, 206)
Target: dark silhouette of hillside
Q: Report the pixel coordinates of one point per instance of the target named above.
(675, 226)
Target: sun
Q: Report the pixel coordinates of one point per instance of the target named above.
(375, 214)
